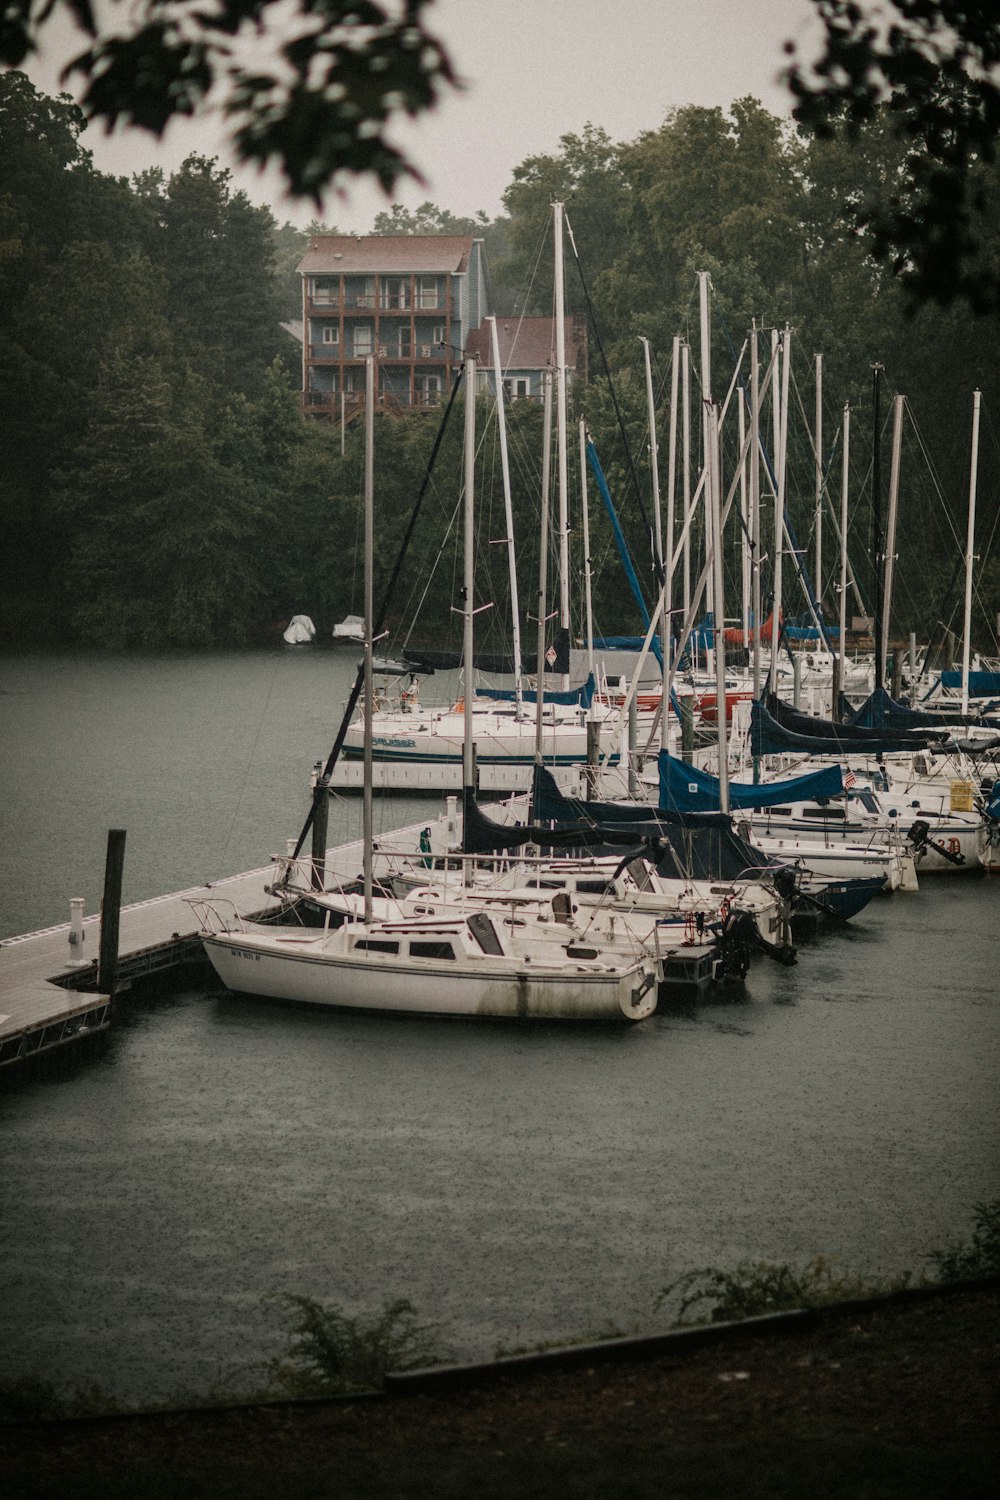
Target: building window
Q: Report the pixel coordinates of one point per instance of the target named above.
(517, 387)
(362, 340)
(396, 293)
(325, 289)
(427, 389)
(331, 333)
(428, 292)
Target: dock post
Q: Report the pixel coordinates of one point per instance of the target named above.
(114, 865)
(320, 823)
(897, 673)
(593, 756)
(687, 729)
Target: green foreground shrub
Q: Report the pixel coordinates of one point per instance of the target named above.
(332, 1354)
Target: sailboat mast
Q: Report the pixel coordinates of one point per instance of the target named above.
(661, 552)
(819, 480)
(668, 551)
(543, 565)
(515, 605)
(781, 426)
(969, 544)
(706, 433)
(368, 830)
(876, 532)
(468, 571)
(713, 456)
(842, 638)
(561, 439)
(588, 600)
(686, 468)
(755, 499)
(890, 528)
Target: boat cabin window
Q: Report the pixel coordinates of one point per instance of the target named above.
(831, 813)
(867, 799)
(785, 812)
(595, 887)
(485, 933)
(428, 949)
(577, 952)
(377, 945)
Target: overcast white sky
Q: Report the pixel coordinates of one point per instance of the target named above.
(535, 70)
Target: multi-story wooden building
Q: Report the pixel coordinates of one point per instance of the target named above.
(412, 300)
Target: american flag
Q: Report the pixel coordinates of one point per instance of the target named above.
(849, 780)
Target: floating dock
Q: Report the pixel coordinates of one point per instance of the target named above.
(49, 990)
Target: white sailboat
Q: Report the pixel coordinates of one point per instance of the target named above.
(457, 963)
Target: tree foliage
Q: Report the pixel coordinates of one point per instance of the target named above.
(931, 70)
(312, 86)
(161, 485)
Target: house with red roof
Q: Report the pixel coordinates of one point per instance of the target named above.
(419, 304)
(411, 300)
(527, 348)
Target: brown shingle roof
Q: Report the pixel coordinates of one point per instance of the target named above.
(394, 254)
(525, 343)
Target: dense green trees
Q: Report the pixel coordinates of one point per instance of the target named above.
(161, 486)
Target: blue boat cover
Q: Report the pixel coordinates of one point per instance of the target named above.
(810, 632)
(582, 696)
(779, 729)
(684, 788)
(981, 684)
(882, 712)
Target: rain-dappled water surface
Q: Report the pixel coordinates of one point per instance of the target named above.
(517, 1184)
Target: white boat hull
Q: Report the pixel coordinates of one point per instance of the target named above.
(291, 964)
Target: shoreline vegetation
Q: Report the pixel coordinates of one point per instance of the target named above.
(331, 1354)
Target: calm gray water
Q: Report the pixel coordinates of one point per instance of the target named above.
(517, 1184)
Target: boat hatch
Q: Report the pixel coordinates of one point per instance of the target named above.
(640, 873)
(376, 945)
(485, 933)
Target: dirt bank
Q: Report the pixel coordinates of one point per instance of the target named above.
(895, 1401)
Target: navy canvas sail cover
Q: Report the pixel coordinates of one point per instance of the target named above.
(882, 712)
(685, 788)
(579, 697)
(981, 684)
(776, 729)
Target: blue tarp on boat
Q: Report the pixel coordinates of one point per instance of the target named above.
(981, 684)
(581, 697)
(777, 729)
(884, 713)
(684, 788)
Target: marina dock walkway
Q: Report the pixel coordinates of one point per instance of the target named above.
(48, 985)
